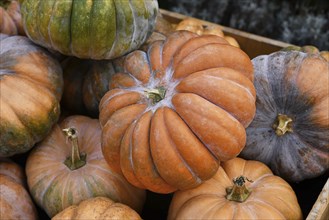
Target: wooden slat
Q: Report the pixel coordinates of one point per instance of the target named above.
(252, 44)
(320, 209)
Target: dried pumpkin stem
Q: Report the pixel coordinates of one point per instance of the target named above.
(238, 192)
(156, 95)
(76, 160)
(282, 125)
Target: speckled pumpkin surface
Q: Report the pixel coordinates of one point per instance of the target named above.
(90, 29)
(101, 208)
(177, 110)
(290, 131)
(15, 200)
(58, 178)
(31, 86)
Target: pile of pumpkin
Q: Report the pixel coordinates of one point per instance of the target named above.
(104, 112)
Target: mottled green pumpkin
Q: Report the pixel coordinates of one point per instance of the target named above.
(31, 86)
(102, 29)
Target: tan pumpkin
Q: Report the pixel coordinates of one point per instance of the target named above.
(15, 200)
(254, 193)
(98, 208)
(200, 27)
(68, 167)
(177, 110)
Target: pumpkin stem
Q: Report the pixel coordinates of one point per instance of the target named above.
(76, 160)
(156, 95)
(238, 192)
(282, 125)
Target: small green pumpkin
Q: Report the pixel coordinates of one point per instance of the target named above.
(90, 29)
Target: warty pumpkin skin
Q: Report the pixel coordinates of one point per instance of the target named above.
(31, 86)
(256, 194)
(85, 83)
(89, 29)
(290, 131)
(101, 208)
(15, 200)
(177, 110)
(59, 175)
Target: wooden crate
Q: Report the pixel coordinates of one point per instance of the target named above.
(255, 45)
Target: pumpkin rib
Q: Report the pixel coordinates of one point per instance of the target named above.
(24, 119)
(176, 125)
(154, 54)
(36, 82)
(161, 144)
(100, 13)
(111, 144)
(197, 178)
(184, 105)
(44, 18)
(137, 65)
(194, 44)
(47, 27)
(203, 58)
(172, 44)
(31, 84)
(144, 166)
(262, 202)
(126, 157)
(203, 85)
(116, 100)
(124, 32)
(55, 27)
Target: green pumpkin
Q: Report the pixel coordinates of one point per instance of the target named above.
(90, 29)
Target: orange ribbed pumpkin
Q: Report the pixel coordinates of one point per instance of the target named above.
(177, 110)
(254, 193)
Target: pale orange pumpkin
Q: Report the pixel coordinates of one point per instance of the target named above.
(254, 193)
(68, 167)
(98, 208)
(15, 200)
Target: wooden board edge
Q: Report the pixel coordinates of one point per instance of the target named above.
(320, 209)
(254, 45)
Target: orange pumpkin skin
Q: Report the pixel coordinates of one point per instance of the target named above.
(31, 86)
(54, 186)
(271, 197)
(176, 141)
(10, 18)
(98, 208)
(290, 131)
(15, 201)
